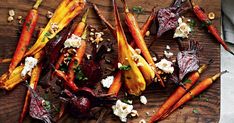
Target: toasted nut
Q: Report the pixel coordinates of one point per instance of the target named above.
(10, 18)
(147, 33)
(11, 12)
(211, 15)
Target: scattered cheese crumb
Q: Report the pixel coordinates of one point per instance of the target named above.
(135, 57)
(88, 56)
(147, 33)
(107, 82)
(168, 54)
(154, 59)
(182, 30)
(119, 65)
(143, 100)
(168, 47)
(74, 41)
(165, 66)
(139, 64)
(30, 63)
(134, 113)
(122, 110)
(49, 14)
(138, 51)
(211, 15)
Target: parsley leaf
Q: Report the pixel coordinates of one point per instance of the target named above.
(125, 67)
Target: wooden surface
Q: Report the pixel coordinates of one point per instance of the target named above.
(11, 102)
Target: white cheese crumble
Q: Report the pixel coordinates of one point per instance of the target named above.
(182, 30)
(30, 63)
(168, 47)
(122, 110)
(154, 59)
(143, 100)
(107, 82)
(142, 121)
(134, 113)
(165, 66)
(168, 54)
(74, 41)
(119, 65)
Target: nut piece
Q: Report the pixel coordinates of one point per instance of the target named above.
(10, 18)
(49, 14)
(147, 33)
(211, 15)
(11, 12)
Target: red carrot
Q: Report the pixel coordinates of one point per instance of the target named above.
(203, 85)
(179, 92)
(25, 37)
(139, 40)
(201, 15)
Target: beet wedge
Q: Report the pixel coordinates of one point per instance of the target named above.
(133, 79)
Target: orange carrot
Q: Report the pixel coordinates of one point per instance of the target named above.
(203, 85)
(139, 40)
(5, 60)
(25, 37)
(80, 29)
(33, 84)
(178, 93)
(116, 85)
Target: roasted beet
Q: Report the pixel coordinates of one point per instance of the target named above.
(79, 105)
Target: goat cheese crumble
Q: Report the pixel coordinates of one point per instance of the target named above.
(165, 66)
(74, 41)
(168, 54)
(183, 30)
(122, 110)
(30, 63)
(107, 82)
(143, 100)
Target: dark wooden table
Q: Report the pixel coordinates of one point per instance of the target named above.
(209, 110)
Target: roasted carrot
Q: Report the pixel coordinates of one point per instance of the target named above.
(5, 60)
(33, 84)
(116, 85)
(178, 93)
(61, 75)
(80, 29)
(203, 85)
(67, 10)
(139, 40)
(16, 78)
(26, 35)
(201, 15)
(133, 78)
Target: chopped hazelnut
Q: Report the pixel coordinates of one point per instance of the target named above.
(11, 12)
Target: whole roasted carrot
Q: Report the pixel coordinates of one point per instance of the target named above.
(116, 85)
(203, 85)
(25, 37)
(80, 29)
(201, 15)
(33, 84)
(178, 93)
(139, 40)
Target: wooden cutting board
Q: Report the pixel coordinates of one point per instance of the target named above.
(208, 105)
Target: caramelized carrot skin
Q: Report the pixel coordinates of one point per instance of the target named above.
(25, 37)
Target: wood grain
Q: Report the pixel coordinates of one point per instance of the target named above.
(12, 102)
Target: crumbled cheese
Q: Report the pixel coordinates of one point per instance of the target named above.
(168, 54)
(88, 56)
(74, 41)
(54, 27)
(107, 82)
(154, 59)
(119, 65)
(139, 64)
(182, 30)
(147, 33)
(135, 57)
(30, 63)
(122, 110)
(142, 121)
(168, 47)
(49, 14)
(11, 12)
(143, 100)
(165, 66)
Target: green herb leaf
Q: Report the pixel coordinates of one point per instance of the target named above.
(187, 81)
(137, 9)
(195, 111)
(125, 67)
(79, 74)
